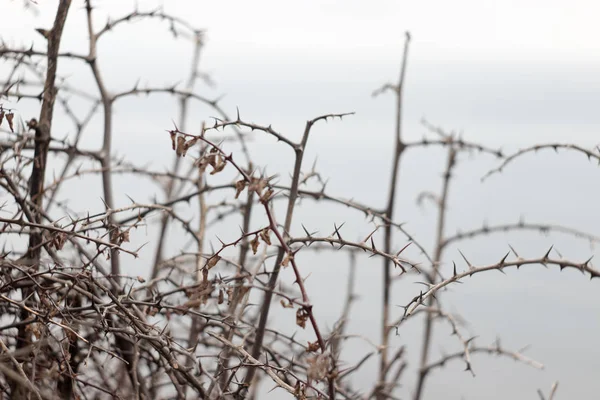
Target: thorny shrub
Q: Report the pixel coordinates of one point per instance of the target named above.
(74, 325)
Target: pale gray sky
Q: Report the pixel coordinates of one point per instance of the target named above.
(507, 73)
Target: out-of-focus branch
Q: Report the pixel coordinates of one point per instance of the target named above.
(399, 148)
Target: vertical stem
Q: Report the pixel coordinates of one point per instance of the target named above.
(268, 297)
(439, 249)
(387, 278)
(43, 131)
(44, 126)
(105, 151)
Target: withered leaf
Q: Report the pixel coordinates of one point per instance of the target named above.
(255, 243)
(314, 346)
(212, 261)
(286, 304)
(220, 166)
(264, 235)
(288, 257)
(301, 317)
(180, 150)
(221, 296)
(201, 164)
(266, 196)
(211, 159)
(9, 119)
(257, 185)
(189, 144)
(239, 188)
(1, 116)
(173, 138)
(59, 240)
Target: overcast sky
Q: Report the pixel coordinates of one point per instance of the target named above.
(506, 73)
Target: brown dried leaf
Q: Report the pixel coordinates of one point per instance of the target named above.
(288, 257)
(220, 166)
(301, 317)
(264, 235)
(286, 304)
(266, 196)
(124, 236)
(189, 144)
(314, 346)
(201, 163)
(300, 391)
(257, 185)
(239, 188)
(9, 119)
(180, 150)
(1, 116)
(212, 261)
(255, 243)
(221, 297)
(173, 138)
(58, 240)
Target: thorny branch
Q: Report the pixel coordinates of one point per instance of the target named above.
(195, 322)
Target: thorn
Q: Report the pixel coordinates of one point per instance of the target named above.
(454, 268)
(105, 204)
(465, 258)
(337, 230)
(548, 253)
(514, 251)
(306, 231)
(402, 249)
(504, 259)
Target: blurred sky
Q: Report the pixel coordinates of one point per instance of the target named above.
(507, 74)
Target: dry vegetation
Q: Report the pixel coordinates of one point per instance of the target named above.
(75, 326)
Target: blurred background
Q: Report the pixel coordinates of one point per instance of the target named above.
(506, 74)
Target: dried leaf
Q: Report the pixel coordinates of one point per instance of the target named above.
(255, 243)
(9, 118)
(288, 257)
(1, 116)
(212, 261)
(59, 240)
(286, 304)
(257, 185)
(266, 196)
(301, 317)
(221, 297)
(314, 346)
(264, 235)
(239, 188)
(201, 164)
(173, 138)
(180, 150)
(189, 144)
(220, 166)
